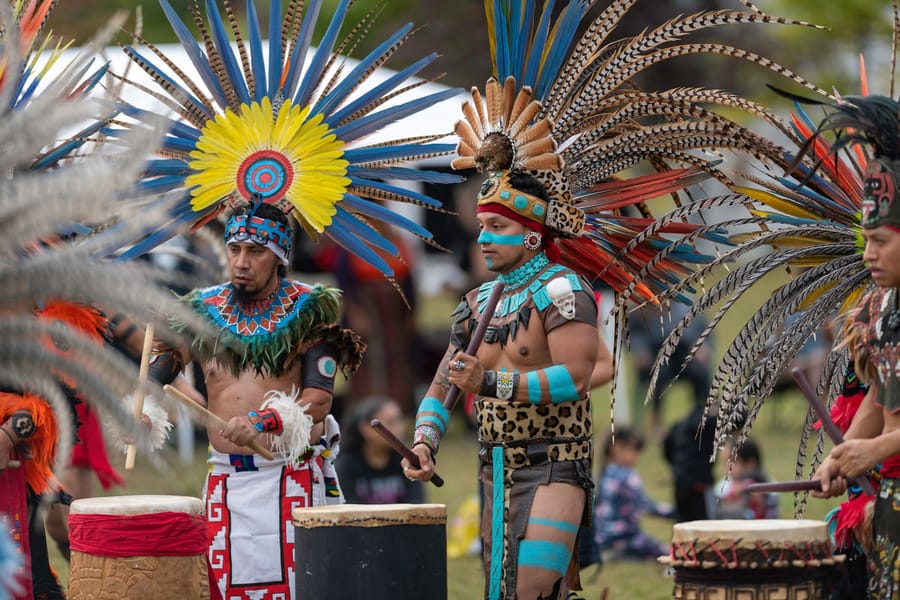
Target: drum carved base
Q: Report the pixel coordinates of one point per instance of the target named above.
(811, 591)
(137, 578)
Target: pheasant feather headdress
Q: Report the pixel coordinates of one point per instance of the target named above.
(570, 114)
(285, 123)
(813, 209)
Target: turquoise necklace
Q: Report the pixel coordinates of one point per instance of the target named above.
(522, 275)
(529, 281)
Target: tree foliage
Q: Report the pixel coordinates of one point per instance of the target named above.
(457, 31)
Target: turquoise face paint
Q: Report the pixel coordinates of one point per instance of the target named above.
(486, 237)
(552, 556)
(489, 262)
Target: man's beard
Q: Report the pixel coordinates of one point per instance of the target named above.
(244, 294)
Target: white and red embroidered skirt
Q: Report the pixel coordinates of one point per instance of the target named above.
(249, 502)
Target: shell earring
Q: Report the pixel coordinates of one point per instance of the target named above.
(532, 240)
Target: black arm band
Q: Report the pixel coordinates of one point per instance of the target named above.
(319, 366)
(165, 367)
(502, 385)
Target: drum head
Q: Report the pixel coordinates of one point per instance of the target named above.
(137, 505)
(369, 515)
(776, 531)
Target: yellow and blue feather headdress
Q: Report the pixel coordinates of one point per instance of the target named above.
(285, 123)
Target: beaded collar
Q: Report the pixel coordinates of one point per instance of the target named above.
(257, 307)
(522, 275)
(268, 316)
(269, 340)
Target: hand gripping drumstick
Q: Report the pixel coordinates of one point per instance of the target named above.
(215, 420)
(401, 448)
(453, 394)
(143, 374)
(830, 428)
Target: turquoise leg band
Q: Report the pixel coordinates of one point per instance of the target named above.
(542, 554)
(561, 525)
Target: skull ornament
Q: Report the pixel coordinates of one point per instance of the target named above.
(560, 291)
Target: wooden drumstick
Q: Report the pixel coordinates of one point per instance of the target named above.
(131, 450)
(402, 449)
(828, 425)
(486, 315)
(801, 485)
(215, 420)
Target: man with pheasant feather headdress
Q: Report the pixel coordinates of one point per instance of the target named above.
(268, 134)
(555, 125)
(873, 334)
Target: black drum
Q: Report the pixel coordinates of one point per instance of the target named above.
(372, 551)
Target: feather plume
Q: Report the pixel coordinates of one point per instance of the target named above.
(305, 108)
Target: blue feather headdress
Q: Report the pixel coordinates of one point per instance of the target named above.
(286, 122)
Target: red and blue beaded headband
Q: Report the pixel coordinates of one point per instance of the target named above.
(273, 235)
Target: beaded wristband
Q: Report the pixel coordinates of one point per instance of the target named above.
(428, 435)
(267, 421)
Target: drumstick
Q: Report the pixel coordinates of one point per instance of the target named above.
(828, 425)
(801, 485)
(215, 420)
(400, 447)
(131, 450)
(486, 316)
(453, 394)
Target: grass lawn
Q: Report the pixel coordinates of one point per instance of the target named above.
(777, 431)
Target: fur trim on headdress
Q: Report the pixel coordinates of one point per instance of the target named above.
(294, 439)
(41, 445)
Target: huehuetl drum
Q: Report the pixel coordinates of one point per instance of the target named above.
(765, 559)
(138, 547)
(376, 551)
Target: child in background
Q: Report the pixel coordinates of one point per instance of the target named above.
(734, 501)
(368, 468)
(622, 502)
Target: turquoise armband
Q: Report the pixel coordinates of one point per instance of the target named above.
(561, 386)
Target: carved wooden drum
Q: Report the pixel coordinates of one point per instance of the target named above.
(375, 551)
(765, 559)
(138, 547)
